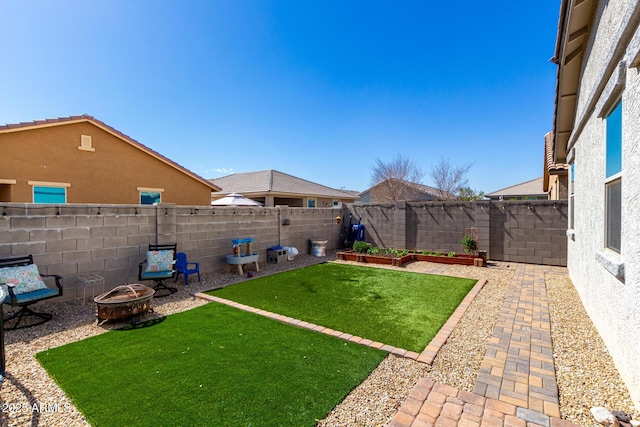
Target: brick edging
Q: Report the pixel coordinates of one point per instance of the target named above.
(431, 350)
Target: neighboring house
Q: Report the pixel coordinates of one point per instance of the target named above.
(395, 190)
(529, 190)
(80, 159)
(556, 175)
(274, 188)
(596, 131)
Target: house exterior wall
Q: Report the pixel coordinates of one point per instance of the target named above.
(111, 174)
(558, 187)
(612, 302)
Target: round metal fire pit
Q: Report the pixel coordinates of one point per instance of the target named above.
(122, 302)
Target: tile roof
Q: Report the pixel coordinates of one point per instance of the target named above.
(528, 188)
(12, 127)
(550, 164)
(273, 181)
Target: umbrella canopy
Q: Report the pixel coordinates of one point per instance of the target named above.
(235, 199)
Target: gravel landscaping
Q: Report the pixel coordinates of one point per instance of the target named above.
(585, 378)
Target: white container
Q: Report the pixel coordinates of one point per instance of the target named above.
(319, 248)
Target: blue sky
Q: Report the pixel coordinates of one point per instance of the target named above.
(316, 89)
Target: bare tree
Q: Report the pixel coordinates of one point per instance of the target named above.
(389, 179)
(448, 179)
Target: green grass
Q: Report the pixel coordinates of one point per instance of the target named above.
(213, 365)
(402, 309)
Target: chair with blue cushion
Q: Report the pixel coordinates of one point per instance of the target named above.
(159, 266)
(26, 287)
(183, 267)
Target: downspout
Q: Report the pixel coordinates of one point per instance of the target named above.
(156, 224)
(279, 225)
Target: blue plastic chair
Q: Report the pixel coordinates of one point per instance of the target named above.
(182, 265)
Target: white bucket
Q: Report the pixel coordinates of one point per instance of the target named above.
(319, 248)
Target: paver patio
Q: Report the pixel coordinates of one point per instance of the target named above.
(516, 385)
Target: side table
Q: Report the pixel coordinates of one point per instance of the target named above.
(89, 280)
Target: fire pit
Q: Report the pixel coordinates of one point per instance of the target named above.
(126, 301)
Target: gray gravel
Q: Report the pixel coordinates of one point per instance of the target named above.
(376, 400)
(585, 371)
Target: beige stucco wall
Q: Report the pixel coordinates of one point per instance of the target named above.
(110, 174)
(558, 189)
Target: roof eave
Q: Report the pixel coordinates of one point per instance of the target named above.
(573, 35)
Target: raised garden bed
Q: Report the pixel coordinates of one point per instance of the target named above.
(460, 259)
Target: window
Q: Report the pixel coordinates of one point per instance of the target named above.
(44, 194)
(613, 181)
(311, 202)
(336, 203)
(613, 214)
(49, 192)
(150, 197)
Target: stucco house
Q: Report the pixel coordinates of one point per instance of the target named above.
(274, 188)
(395, 190)
(80, 159)
(596, 132)
(555, 175)
(528, 190)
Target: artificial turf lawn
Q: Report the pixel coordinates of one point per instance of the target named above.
(398, 308)
(213, 365)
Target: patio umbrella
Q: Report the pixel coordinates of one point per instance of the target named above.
(235, 199)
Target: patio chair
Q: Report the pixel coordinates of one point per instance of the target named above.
(26, 287)
(182, 266)
(159, 267)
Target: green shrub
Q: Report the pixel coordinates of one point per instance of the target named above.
(469, 244)
(452, 254)
(361, 247)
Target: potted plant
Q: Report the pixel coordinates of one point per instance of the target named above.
(469, 244)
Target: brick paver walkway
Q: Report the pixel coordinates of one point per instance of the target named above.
(516, 385)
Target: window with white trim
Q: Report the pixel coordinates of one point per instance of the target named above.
(613, 180)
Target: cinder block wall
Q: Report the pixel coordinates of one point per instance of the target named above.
(531, 232)
(519, 231)
(110, 240)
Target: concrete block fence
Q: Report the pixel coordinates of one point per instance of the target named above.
(110, 240)
(519, 231)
